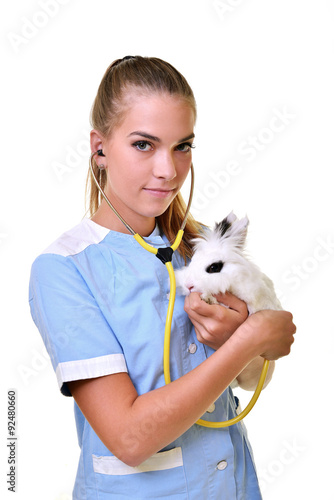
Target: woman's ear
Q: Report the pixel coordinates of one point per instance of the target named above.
(96, 141)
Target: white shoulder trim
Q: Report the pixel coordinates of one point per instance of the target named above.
(90, 368)
(78, 238)
(163, 460)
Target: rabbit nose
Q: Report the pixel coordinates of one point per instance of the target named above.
(190, 287)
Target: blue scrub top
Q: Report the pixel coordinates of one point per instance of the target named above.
(100, 301)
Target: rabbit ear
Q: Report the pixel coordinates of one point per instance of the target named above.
(239, 231)
(231, 227)
(222, 227)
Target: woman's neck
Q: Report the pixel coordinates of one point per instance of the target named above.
(105, 217)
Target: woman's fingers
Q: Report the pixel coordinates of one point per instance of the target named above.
(233, 302)
(214, 324)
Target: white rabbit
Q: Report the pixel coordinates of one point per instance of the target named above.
(219, 265)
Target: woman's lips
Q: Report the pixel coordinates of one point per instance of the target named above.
(159, 193)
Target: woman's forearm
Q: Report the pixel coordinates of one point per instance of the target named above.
(135, 427)
(161, 416)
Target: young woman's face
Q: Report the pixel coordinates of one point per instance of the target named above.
(148, 156)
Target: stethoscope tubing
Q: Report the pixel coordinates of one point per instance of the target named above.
(171, 302)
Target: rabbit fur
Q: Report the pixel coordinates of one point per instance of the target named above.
(219, 264)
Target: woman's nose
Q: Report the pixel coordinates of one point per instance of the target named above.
(164, 167)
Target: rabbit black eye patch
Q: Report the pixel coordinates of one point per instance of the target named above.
(215, 267)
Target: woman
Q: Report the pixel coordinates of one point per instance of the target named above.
(100, 300)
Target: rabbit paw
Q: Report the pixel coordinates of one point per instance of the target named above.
(209, 299)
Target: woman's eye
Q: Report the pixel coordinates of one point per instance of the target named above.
(185, 147)
(143, 146)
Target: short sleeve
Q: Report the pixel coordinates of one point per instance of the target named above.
(77, 336)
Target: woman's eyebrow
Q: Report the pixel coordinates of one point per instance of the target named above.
(156, 139)
(191, 136)
(144, 134)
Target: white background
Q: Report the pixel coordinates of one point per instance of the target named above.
(246, 61)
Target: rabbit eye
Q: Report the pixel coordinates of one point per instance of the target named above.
(215, 267)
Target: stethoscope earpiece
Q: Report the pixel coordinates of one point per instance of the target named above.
(100, 152)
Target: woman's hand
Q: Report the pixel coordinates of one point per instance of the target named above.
(214, 324)
(268, 333)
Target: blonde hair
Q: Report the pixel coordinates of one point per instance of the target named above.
(149, 75)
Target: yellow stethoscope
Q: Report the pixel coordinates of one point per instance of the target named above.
(165, 255)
